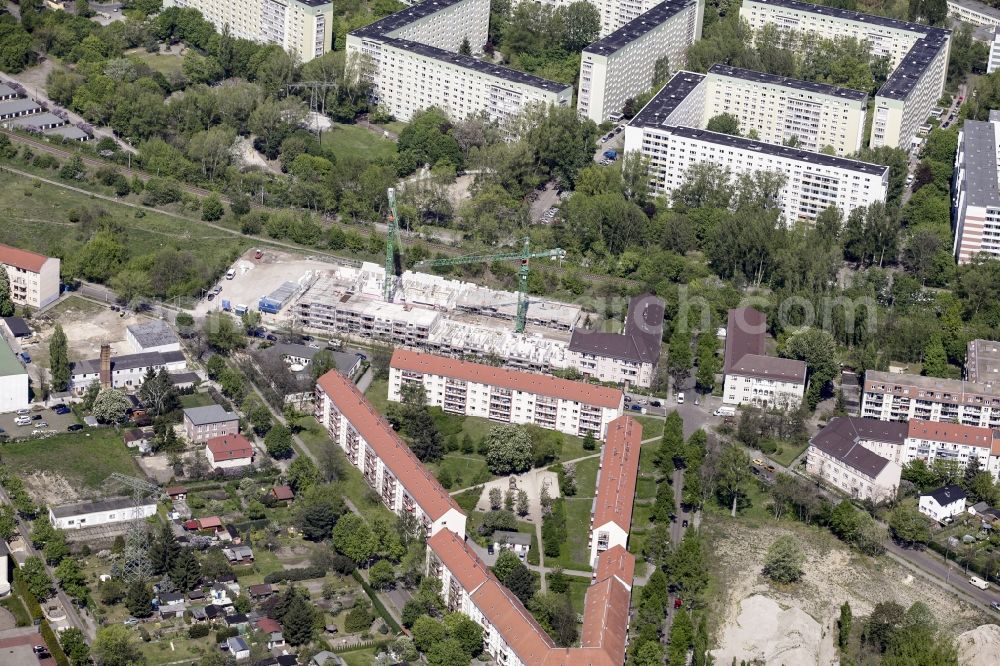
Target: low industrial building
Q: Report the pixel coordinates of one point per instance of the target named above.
(152, 336)
(229, 452)
(303, 355)
(507, 396)
(14, 384)
(16, 328)
(203, 423)
(841, 454)
(943, 504)
(125, 372)
(611, 518)
(100, 512)
(751, 376)
(34, 278)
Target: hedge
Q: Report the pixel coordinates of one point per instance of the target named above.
(377, 603)
(55, 649)
(291, 575)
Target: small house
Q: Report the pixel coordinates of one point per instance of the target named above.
(943, 504)
(213, 613)
(239, 554)
(238, 648)
(282, 493)
(203, 423)
(519, 542)
(326, 658)
(198, 613)
(229, 452)
(171, 605)
(261, 591)
(139, 438)
(978, 508)
(237, 621)
(177, 492)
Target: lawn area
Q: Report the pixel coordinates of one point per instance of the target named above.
(196, 400)
(75, 305)
(464, 469)
(645, 488)
(577, 591)
(356, 140)
(364, 657)
(84, 459)
(177, 648)
(573, 553)
(787, 452)
(647, 459)
(651, 426)
(165, 63)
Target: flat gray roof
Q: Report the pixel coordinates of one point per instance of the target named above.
(6, 90)
(209, 414)
(18, 106)
(37, 119)
(979, 144)
(639, 26)
(83, 508)
(849, 15)
(982, 361)
(666, 101)
(69, 132)
(785, 82)
(153, 333)
(519, 538)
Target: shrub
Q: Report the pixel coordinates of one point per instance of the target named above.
(359, 619)
(198, 631)
(289, 575)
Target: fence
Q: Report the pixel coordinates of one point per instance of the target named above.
(377, 603)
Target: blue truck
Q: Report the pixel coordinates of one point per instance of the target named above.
(611, 154)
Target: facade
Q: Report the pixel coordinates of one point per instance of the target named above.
(126, 371)
(901, 397)
(14, 393)
(975, 198)
(612, 513)
(780, 109)
(203, 423)
(34, 278)
(622, 65)
(839, 454)
(974, 12)
(152, 336)
(303, 27)
(101, 512)
(942, 504)
(629, 358)
(229, 452)
(993, 64)
(413, 62)
(752, 377)
(918, 55)
(385, 461)
(508, 396)
(666, 131)
(931, 441)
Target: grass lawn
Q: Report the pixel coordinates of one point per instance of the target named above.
(355, 140)
(83, 458)
(573, 553)
(647, 459)
(645, 488)
(651, 426)
(196, 400)
(364, 657)
(165, 63)
(75, 305)
(464, 469)
(577, 591)
(787, 452)
(177, 648)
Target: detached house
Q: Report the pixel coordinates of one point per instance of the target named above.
(229, 452)
(943, 504)
(203, 423)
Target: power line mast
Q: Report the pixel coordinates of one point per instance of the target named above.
(392, 247)
(135, 564)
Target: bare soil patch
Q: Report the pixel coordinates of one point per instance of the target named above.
(50, 488)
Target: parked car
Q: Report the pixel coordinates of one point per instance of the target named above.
(211, 296)
(995, 606)
(38, 649)
(655, 403)
(36, 417)
(272, 337)
(76, 427)
(23, 412)
(635, 407)
(41, 425)
(758, 462)
(680, 398)
(25, 357)
(684, 523)
(22, 421)
(979, 582)
(628, 398)
(361, 356)
(130, 621)
(307, 338)
(489, 549)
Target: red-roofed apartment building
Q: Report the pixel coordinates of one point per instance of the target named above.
(938, 440)
(509, 396)
(612, 517)
(34, 278)
(385, 461)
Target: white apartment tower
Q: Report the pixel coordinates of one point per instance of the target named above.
(622, 64)
(976, 190)
(917, 53)
(413, 61)
(302, 27)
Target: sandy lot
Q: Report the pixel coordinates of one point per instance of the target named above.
(87, 325)
(51, 489)
(531, 483)
(778, 625)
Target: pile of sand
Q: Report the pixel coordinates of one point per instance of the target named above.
(766, 632)
(979, 646)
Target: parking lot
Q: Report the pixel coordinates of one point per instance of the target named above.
(56, 423)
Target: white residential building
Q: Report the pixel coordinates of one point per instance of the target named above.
(975, 197)
(34, 278)
(303, 27)
(666, 131)
(943, 503)
(622, 64)
(413, 62)
(918, 55)
(974, 12)
(385, 461)
(101, 512)
(508, 396)
(993, 64)
(840, 455)
(779, 109)
(752, 377)
(611, 519)
(952, 442)
(228, 452)
(127, 371)
(892, 396)
(14, 393)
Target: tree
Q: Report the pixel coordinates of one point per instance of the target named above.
(819, 351)
(426, 439)
(35, 577)
(426, 632)
(882, 623)
(681, 639)
(56, 550)
(157, 392)
(733, 475)
(115, 646)
(74, 646)
(589, 443)
(352, 537)
(279, 442)
(382, 576)
(163, 550)
(322, 363)
(302, 474)
(935, 359)
(724, 123)
(465, 48)
(521, 583)
(671, 451)
(6, 303)
(784, 561)
(212, 208)
(679, 353)
(506, 562)
(139, 599)
(317, 511)
(463, 629)
(582, 25)
(8, 522)
(508, 450)
(222, 334)
(298, 622)
(496, 498)
(112, 591)
(561, 142)
(111, 406)
(58, 357)
(844, 625)
(908, 525)
(72, 579)
(185, 571)
(522, 503)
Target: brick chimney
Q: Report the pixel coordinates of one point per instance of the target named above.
(105, 366)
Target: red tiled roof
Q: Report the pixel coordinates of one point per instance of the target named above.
(268, 625)
(605, 618)
(616, 561)
(527, 382)
(513, 622)
(210, 521)
(176, 490)
(395, 454)
(953, 433)
(459, 559)
(619, 466)
(283, 493)
(230, 447)
(18, 258)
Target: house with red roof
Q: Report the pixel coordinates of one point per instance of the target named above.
(612, 513)
(229, 452)
(34, 278)
(283, 493)
(511, 396)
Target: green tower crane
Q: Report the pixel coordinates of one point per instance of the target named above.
(522, 274)
(392, 246)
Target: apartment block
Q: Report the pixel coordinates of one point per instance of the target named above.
(779, 109)
(974, 12)
(413, 62)
(303, 27)
(841, 454)
(814, 181)
(622, 64)
(385, 461)
(975, 197)
(507, 396)
(993, 64)
(34, 278)
(952, 442)
(891, 396)
(751, 376)
(918, 55)
(629, 358)
(202, 424)
(611, 519)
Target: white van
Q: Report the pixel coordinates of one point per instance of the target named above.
(979, 582)
(231, 273)
(725, 410)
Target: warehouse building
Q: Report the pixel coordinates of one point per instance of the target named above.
(623, 64)
(152, 336)
(302, 27)
(413, 60)
(125, 372)
(14, 393)
(101, 512)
